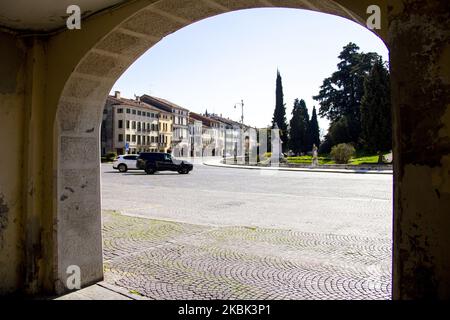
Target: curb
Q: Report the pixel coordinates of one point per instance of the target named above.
(121, 291)
(345, 171)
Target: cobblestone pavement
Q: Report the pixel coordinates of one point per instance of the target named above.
(172, 260)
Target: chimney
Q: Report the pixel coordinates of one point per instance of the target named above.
(117, 94)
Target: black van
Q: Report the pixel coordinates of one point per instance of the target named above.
(152, 162)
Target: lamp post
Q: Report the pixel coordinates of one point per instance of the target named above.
(242, 106)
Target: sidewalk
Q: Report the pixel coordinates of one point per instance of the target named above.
(217, 163)
(102, 291)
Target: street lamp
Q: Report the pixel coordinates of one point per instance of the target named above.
(242, 106)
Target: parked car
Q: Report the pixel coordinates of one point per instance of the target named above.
(126, 162)
(153, 162)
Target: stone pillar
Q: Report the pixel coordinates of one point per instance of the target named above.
(419, 41)
(78, 190)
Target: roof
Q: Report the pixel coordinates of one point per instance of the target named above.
(203, 119)
(226, 121)
(161, 103)
(131, 103)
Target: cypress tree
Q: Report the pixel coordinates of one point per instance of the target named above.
(299, 128)
(294, 133)
(314, 130)
(279, 115)
(304, 127)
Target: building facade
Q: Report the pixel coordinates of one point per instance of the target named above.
(231, 133)
(180, 144)
(195, 136)
(165, 132)
(150, 124)
(129, 126)
(211, 146)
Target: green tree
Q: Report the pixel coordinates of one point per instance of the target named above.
(340, 131)
(294, 134)
(376, 120)
(314, 129)
(340, 95)
(304, 127)
(299, 128)
(279, 115)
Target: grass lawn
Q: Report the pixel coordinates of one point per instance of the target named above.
(358, 160)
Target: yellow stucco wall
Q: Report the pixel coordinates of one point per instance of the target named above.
(12, 115)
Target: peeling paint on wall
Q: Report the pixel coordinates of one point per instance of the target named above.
(9, 71)
(3, 218)
(417, 60)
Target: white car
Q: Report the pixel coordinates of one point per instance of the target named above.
(126, 162)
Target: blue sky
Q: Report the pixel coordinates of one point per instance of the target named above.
(216, 62)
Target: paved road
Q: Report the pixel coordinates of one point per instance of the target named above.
(344, 204)
(223, 233)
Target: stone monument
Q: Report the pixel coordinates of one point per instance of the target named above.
(315, 157)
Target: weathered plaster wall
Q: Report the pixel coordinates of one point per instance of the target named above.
(419, 36)
(12, 114)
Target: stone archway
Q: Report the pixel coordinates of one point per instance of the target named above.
(78, 206)
(83, 66)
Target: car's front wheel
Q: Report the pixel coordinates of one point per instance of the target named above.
(123, 168)
(183, 170)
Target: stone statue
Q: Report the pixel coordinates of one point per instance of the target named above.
(315, 156)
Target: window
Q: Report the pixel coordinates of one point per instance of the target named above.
(134, 138)
(128, 110)
(120, 137)
(139, 126)
(120, 124)
(138, 113)
(128, 137)
(134, 111)
(139, 140)
(128, 124)
(120, 110)
(133, 125)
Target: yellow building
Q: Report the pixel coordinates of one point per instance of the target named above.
(129, 126)
(165, 131)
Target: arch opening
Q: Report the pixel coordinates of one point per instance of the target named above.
(79, 116)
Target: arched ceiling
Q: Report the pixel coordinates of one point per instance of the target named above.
(45, 15)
